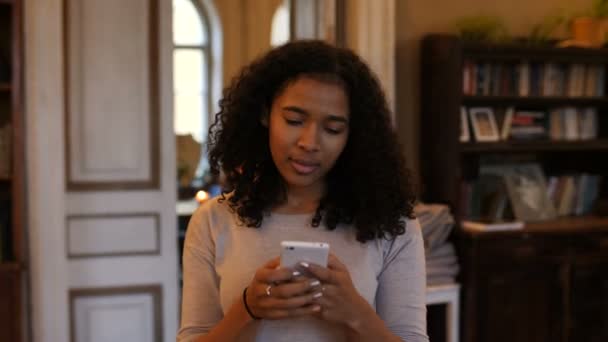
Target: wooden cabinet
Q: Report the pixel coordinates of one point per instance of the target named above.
(588, 296)
(530, 286)
(549, 281)
(513, 292)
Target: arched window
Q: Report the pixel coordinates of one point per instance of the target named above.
(196, 68)
(279, 33)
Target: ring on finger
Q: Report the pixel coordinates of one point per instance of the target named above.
(268, 290)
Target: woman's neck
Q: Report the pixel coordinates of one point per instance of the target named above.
(299, 201)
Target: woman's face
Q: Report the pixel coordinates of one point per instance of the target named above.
(308, 129)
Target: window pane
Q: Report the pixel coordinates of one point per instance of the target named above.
(188, 28)
(188, 74)
(280, 26)
(190, 90)
(190, 116)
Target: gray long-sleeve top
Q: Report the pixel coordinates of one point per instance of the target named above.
(221, 257)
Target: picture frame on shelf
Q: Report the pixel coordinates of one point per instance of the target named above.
(527, 189)
(484, 124)
(465, 134)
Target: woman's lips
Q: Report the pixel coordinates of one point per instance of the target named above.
(303, 167)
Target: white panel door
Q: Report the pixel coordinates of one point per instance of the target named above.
(101, 155)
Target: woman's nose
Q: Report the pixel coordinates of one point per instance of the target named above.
(309, 139)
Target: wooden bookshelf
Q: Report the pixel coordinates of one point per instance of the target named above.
(534, 101)
(13, 264)
(559, 226)
(442, 78)
(517, 52)
(539, 283)
(6, 267)
(573, 224)
(534, 146)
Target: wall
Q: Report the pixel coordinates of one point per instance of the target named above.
(246, 31)
(414, 18)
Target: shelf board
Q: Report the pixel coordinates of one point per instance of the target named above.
(567, 224)
(534, 146)
(4, 86)
(10, 266)
(536, 101)
(562, 225)
(518, 52)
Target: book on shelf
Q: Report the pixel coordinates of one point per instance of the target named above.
(561, 123)
(556, 124)
(529, 125)
(465, 132)
(523, 79)
(570, 123)
(527, 78)
(486, 198)
(496, 196)
(483, 225)
(509, 191)
(588, 124)
(504, 116)
(493, 198)
(571, 129)
(574, 194)
(576, 80)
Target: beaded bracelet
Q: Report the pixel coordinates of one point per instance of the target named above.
(247, 306)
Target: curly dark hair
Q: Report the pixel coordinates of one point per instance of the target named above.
(369, 185)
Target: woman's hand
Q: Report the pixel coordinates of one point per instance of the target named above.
(340, 301)
(290, 294)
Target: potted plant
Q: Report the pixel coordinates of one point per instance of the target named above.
(546, 31)
(590, 29)
(600, 11)
(481, 29)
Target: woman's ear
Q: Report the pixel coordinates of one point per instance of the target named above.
(264, 119)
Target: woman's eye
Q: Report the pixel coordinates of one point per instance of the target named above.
(334, 130)
(293, 122)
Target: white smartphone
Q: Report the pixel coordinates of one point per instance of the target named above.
(294, 252)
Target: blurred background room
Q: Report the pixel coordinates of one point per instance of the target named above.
(501, 108)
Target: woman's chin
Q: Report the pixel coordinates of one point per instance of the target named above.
(301, 181)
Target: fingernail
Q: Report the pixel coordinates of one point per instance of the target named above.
(316, 308)
(304, 264)
(317, 295)
(296, 273)
(315, 283)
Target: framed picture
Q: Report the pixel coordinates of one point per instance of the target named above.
(465, 136)
(484, 124)
(527, 190)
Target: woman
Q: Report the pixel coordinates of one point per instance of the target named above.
(305, 142)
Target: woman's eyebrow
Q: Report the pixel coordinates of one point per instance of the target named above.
(337, 118)
(296, 109)
(330, 117)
